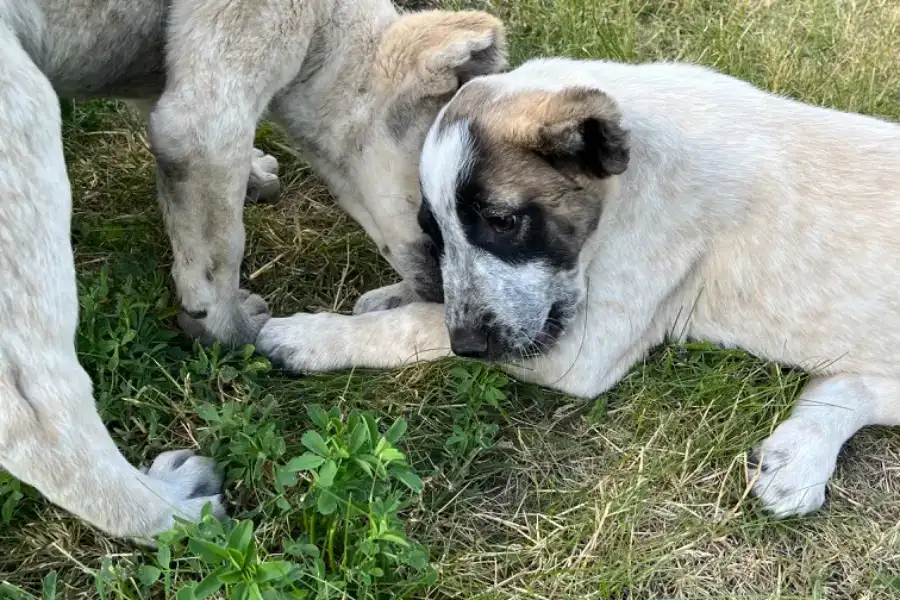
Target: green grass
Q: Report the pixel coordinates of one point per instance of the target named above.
(527, 493)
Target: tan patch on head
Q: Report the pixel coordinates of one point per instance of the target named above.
(549, 123)
(432, 53)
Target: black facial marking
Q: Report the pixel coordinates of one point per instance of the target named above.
(429, 225)
(527, 234)
(428, 280)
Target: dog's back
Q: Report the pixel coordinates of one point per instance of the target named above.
(93, 48)
(816, 258)
(799, 207)
(803, 211)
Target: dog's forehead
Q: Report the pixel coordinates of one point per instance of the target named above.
(451, 131)
(484, 130)
(457, 141)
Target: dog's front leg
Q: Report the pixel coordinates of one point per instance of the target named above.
(387, 339)
(640, 289)
(225, 60)
(262, 186)
(201, 180)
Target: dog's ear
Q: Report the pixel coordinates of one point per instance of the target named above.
(577, 127)
(433, 53)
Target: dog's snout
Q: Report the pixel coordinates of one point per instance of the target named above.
(472, 343)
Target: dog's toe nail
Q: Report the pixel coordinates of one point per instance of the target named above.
(753, 461)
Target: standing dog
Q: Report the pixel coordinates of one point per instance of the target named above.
(353, 82)
(585, 210)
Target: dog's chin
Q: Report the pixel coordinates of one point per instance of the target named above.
(538, 345)
(510, 344)
(547, 337)
(507, 351)
(552, 330)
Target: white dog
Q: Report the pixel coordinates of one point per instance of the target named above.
(352, 81)
(586, 210)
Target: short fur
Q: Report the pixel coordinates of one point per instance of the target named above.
(713, 210)
(353, 82)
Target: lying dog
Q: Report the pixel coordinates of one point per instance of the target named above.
(586, 210)
(353, 82)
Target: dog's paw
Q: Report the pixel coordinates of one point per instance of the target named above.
(263, 184)
(190, 482)
(233, 322)
(289, 342)
(306, 342)
(386, 298)
(793, 465)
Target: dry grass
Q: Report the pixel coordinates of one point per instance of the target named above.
(641, 494)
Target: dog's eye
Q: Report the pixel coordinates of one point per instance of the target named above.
(505, 224)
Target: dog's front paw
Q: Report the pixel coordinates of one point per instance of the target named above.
(233, 322)
(289, 342)
(792, 468)
(386, 298)
(306, 342)
(263, 184)
(190, 481)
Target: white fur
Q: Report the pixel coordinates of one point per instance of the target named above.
(744, 218)
(441, 170)
(797, 460)
(50, 433)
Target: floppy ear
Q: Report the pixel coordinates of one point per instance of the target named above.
(433, 53)
(576, 126)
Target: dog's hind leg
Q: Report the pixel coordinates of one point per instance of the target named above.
(225, 60)
(51, 436)
(794, 464)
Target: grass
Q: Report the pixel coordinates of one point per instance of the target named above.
(527, 493)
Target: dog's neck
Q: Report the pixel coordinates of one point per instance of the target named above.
(326, 105)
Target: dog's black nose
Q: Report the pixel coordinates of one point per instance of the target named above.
(195, 314)
(471, 343)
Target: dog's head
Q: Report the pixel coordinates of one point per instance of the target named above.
(420, 62)
(513, 184)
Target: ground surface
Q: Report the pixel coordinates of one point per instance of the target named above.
(639, 494)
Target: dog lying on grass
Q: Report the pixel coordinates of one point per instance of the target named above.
(584, 211)
(353, 82)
